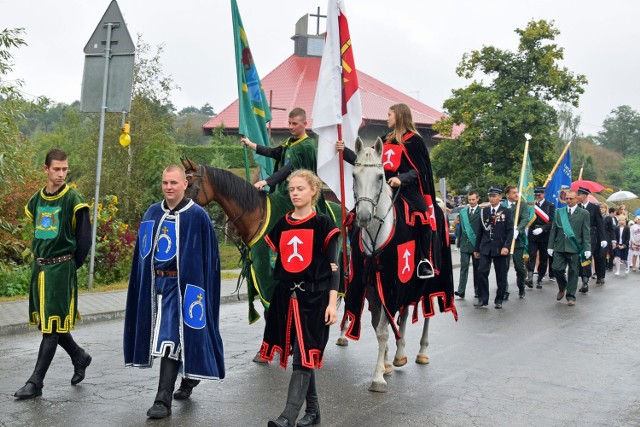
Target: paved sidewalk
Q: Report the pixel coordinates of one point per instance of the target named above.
(100, 306)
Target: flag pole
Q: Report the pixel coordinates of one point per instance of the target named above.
(524, 165)
(553, 171)
(343, 208)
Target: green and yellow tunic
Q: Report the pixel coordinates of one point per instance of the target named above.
(53, 299)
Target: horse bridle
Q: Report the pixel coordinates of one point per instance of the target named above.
(198, 183)
(373, 202)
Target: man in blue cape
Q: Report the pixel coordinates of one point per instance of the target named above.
(173, 300)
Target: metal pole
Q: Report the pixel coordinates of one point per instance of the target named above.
(103, 111)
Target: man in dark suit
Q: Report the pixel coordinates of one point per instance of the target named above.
(598, 241)
(493, 242)
(569, 244)
(469, 223)
(610, 225)
(544, 212)
(520, 240)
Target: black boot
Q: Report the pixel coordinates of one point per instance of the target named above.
(298, 386)
(80, 358)
(185, 389)
(168, 374)
(585, 285)
(33, 387)
(312, 411)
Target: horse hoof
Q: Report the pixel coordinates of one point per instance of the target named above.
(422, 359)
(400, 361)
(258, 359)
(378, 387)
(342, 342)
(388, 369)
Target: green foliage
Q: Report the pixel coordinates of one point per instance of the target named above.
(497, 113)
(233, 157)
(14, 280)
(115, 243)
(188, 129)
(631, 174)
(621, 131)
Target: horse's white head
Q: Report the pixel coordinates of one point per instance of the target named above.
(369, 185)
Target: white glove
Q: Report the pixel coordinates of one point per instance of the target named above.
(550, 252)
(603, 244)
(537, 231)
(587, 254)
(515, 232)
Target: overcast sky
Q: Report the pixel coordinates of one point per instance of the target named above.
(412, 45)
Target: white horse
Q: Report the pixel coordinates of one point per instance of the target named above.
(376, 217)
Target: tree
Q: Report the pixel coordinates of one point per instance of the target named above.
(621, 131)
(514, 100)
(20, 177)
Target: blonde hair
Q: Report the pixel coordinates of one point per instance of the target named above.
(312, 179)
(174, 167)
(404, 122)
(621, 217)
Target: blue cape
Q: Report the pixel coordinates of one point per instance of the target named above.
(198, 273)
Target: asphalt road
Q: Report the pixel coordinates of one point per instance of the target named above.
(536, 362)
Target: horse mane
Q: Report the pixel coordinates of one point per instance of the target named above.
(231, 186)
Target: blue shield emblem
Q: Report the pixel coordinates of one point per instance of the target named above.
(194, 308)
(145, 236)
(166, 243)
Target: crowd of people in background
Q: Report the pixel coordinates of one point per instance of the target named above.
(612, 244)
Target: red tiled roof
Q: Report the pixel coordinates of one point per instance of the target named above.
(294, 85)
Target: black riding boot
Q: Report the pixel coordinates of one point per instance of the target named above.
(298, 386)
(312, 411)
(185, 389)
(80, 358)
(168, 374)
(33, 387)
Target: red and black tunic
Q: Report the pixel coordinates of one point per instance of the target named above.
(298, 304)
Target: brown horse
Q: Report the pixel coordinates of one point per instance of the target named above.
(252, 213)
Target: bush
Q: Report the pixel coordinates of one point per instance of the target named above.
(14, 280)
(233, 156)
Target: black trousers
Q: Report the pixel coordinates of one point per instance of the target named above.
(484, 268)
(535, 249)
(598, 256)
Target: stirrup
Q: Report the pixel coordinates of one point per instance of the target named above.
(430, 273)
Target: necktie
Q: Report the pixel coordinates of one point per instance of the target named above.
(493, 211)
(471, 211)
(570, 212)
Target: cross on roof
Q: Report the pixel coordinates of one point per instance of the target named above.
(318, 16)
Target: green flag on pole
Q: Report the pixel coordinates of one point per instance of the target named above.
(527, 186)
(254, 111)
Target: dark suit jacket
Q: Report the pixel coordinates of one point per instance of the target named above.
(610, 227)
(474, 220)
(550, 209)
(596, 224)
(626, 236)
(579, 221)
(494, 233)
(523, 219)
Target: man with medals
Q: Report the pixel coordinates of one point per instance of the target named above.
(569, 244)
(61, 242)
(173, 299)
(539, 229)
(520, 236)
(598, 241)
(493, 243)
(469, 223)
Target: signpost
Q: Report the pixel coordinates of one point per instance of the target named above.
(107, 84)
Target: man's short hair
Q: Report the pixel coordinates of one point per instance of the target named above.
(472, 193)
(54, 154)
(298, 112)
(509, 188)
(175, 167)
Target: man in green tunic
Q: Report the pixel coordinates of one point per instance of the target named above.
(61, 242)
(297, 152)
